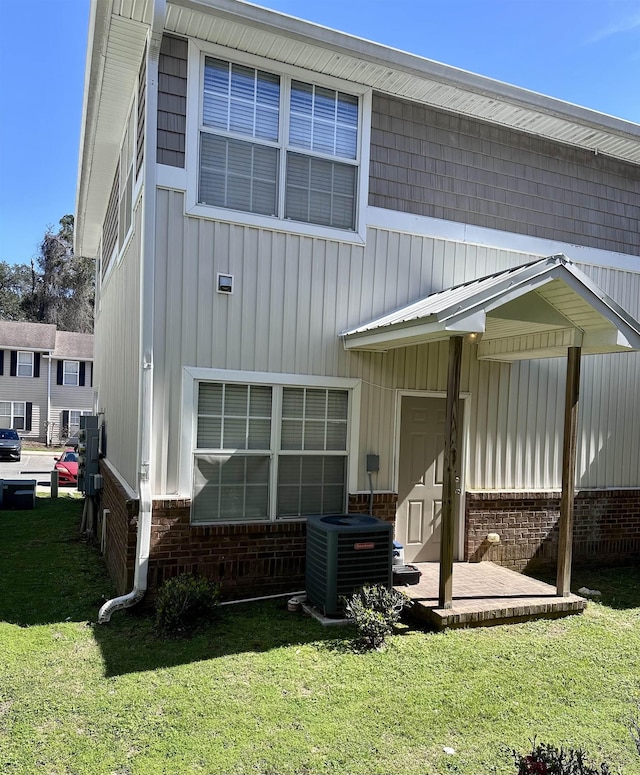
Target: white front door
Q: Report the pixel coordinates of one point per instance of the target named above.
(421, 474)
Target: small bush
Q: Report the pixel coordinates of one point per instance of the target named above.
(549, 760)
(375, 609)
(184, 602)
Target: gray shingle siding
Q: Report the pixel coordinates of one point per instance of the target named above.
(172, 101)
(441, 165)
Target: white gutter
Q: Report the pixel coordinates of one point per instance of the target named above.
(147, 272)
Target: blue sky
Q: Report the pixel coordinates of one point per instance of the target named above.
(583, 51)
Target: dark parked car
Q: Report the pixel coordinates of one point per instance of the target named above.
(10, 444)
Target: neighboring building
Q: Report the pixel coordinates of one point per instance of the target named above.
(260, 194)
(45, 380)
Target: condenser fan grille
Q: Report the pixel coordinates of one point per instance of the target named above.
(345, 552)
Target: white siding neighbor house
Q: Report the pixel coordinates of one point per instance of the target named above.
(312, 248)
(45, 380)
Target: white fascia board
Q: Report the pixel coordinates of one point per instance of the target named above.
(606, 306)
(398, 335)
(94, 67)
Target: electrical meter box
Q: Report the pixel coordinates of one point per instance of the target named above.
(88, 455)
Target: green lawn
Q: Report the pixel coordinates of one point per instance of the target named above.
(267, 692)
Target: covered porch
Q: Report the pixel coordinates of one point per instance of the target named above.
(545, 309)
(486, 594)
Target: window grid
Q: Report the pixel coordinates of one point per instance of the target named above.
(71, 373)
(13, 414)
(25, 364)
(74, 419)
(323, 123)
(303, 479)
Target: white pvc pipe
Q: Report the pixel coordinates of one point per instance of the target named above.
(263, 597)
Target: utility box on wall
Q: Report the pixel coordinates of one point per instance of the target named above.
(88, 455)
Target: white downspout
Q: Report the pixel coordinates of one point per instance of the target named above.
(47, 426)
(147, 271)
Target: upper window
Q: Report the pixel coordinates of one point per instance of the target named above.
(276, 146)
(70, 374)
(268, 451)
(25, 364)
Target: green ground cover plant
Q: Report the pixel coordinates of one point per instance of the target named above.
(263, 691)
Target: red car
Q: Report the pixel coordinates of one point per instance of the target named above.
(67, 467)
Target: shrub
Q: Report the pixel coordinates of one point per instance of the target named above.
(374, 610)
(184, 602)
(549, 760)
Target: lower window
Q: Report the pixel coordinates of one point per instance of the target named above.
(70, 421)
(13, 414)
(266, 452)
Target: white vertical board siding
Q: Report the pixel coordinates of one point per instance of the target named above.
(117, 357)
(609, 419)
(294, 294)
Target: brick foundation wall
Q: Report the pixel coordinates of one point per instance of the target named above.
(121, 529)
(248, 559)
(606, 527)
(385, 505)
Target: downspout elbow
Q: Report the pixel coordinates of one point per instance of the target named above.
(142, 558)
(118, 603)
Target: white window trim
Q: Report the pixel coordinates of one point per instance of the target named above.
(81, 412)
(191, 376)
(197, 51)
(64, 374)
(13, 414)
(24, 352)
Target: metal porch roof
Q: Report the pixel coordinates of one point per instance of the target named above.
(536, 310)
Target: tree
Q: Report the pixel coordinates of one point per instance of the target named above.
(15, 287)
(62, 284)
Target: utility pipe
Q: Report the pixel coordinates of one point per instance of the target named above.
(263, 597)
(147, 271)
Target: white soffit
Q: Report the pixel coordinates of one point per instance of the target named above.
(535, 310)
(259, 31)
(116, 45)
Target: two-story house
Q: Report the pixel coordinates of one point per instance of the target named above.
(45, 380)
(298, 234)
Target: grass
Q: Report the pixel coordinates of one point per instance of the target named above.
(266, 692)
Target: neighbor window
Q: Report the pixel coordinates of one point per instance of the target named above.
(70, 374)
(265, 452)
(25, 364)
(13, 414)
(261, 131)
(71, 420)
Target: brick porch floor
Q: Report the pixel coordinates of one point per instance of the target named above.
(485, 594)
